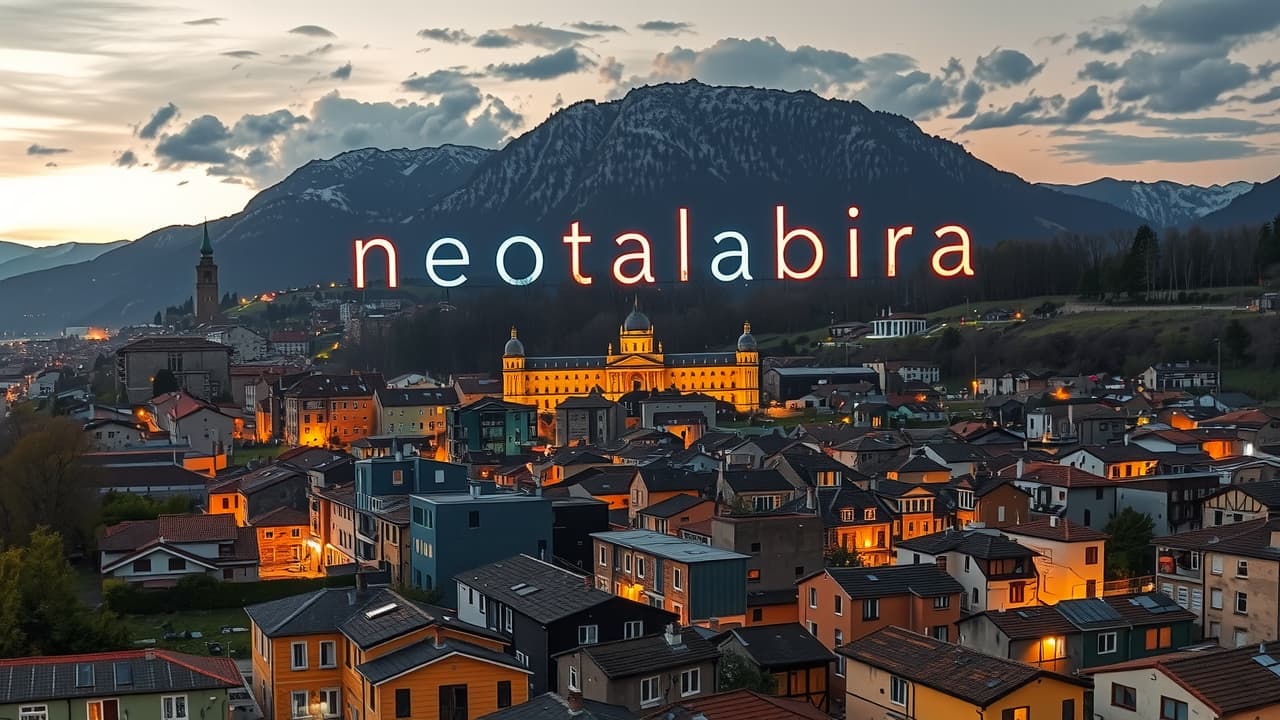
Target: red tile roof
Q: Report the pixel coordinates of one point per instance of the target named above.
(280, 517)
(196, 528)
(1054, 528)
(1228, 681)
(742, 705)
(1057, 475)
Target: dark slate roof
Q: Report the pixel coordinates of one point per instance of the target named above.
(951, 451)
(534, 588)
(673, 506)
(1266, 492)
(1030, 622)
(124, 476)
(831, 501)
(960, 672)
(920, 463)
(368, 626)
(551, 706)
(977, 543)
(128, 672)
(1251, 538)
(311, 613)
(777, 647)
(922, 579)
(625, 658)
(739, 704)
(414, 656)
(746, 481)
(665, 478)
(1228, 681)
(605, 479)
(1123, 611)
(327, 386)
(415, 397)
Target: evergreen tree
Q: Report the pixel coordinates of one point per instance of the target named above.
(164, 382)
(158, 319)
(1129, 547)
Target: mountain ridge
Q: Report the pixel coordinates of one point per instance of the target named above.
(1162, 203)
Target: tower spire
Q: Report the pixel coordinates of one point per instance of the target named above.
(206, 247)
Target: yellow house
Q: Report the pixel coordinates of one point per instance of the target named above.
(897, 673)
(1071, 559)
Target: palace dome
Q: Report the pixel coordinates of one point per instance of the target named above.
(747, 341)
(637, 322)
(514, 347)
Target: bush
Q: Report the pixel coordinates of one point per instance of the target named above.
(203, 592)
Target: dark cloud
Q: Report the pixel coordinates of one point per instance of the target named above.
(1180, 79)
(1205, 22)
(255, 129)
(596, 27)
(1107, 41)
(669, 27)
(969, 97)
(35, 149)
(611, 70)
(537, 35)
(565, 61)
(1269, 96)
(440, 81)
(1040, 110)
(1052, 39)
(1209, 126)
(1265, 70)
(1081, 106)
(324, 49)
(1006, 68)
(312, 31)
(241, 54)
(1104, 148)
(204, 140)
(127, 159)
(158, 120)
(953, 70)
(558, 102)
(452, 36)
(51, 164)
(342, 73)
(205, 21)
(1100, 71)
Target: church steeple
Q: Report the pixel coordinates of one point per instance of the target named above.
(206, 247)
(206, 297)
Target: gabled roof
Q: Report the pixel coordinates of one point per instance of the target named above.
(665, 478)
(417, 397)
(311, 613)
(1228, 681)
(1251, 538)
(1267, 492)
(983, 544)
(918, 462)
(831, 502)
(269, 476)
(971, 676)
(332, 386)
(627, 658)
(739, 704)
(1048, 473)
(127, 672)
(1030, 622)
(406, 659)
(951, 451)
(1123, 611)
(673, 506)
(174, 343)
(764, 480)
(920, 579)
(189, 528)
(280, 517)
(604, 479)
(531, 587)
(550, 706)
(1056, 529)
(779, 647)
(384, 616)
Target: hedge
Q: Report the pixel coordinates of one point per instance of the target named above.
(201, 592)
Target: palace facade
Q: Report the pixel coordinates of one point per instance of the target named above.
(733, 377)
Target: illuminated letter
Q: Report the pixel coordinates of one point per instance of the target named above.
(965, 266)
(463, 259)
(363, 247)
(853, 243)
(684, 244)
(502, 260)
(743, 272)
(641, 256)
(784, 236)
(893, 235)
(573, 239)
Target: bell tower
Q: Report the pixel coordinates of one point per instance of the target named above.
(206, 298)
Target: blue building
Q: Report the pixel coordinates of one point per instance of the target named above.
(451, 533)
(491, 426)
(382, 489)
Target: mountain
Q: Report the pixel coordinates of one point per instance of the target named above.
(1259, 205)
(51, 256)
(727, 154)
(12, 251)
(1162, 204)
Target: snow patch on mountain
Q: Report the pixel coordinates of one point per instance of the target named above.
(1164, 203)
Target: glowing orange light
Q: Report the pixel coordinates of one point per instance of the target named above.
(362, 248)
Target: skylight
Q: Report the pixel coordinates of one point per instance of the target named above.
(526, 590)
(84, 675)
(872, 578)
(517, 586)
(380, 611)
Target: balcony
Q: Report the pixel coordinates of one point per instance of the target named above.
(1179, 563)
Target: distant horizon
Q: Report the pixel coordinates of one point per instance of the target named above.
(121, 118)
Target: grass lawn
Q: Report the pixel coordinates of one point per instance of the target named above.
(208, 622)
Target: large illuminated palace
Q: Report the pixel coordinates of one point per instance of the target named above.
(733, 377)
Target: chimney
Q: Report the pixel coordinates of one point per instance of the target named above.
(1022, 466)
(1126, 439)
(672, 636)
(811, 499)
(439, 642)
(362, 583)
(575, 702)
(475, 489)
(1053, 521)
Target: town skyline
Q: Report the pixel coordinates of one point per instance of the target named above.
(144, 115)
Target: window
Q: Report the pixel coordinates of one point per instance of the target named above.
(588, 634)
(328, 654)
(869, 514)
(173, 707)
(1242, 603)
(33, 712)
(1242, 568)
(506, 618)
(966, 563)
(522, 658)
(649, 695)
(453, 702)
(1215, 599)
(330, 703)
(1106, 643)
(573, 678)
(753, 575)
(103, 710)
(897, 690)
(1091, 555)
(298, 656)
(940, 633)
(1195, 560)
(942, 602)
(632, 629)
(142, 565)
(1018, 713)
(690, 682)
(838, 640)
(1171, 709)
(871, 609)
(813, 597)
(626, 562)
(755, 547)
(839, 604)
(1017, 592)
(1215, 564)
(757, 615)
(603, 563)
(298, 702)
(473, 521)
(639, 566)
(504, 693)
(1159, 637)
(404, 703)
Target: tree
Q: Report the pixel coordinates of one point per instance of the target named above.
(738, 672)
(44, 481)
(1129, 551)
(158, 319)
(164, 382)
(841, 556)
(1237, 339)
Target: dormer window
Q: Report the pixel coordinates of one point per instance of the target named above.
(846, 515)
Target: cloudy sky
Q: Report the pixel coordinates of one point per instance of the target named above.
(118, 117)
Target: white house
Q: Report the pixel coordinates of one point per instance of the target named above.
(113, 434)
(246, 345)
(291, 342)
(192, 421)
(909, 370)
(1182, 375)
(1197, 684)
(44, 385)
(898, 325)
(997, 573)
(157, 553)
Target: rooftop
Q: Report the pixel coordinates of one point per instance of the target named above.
(1055, 528)
(666, 546)
(921, 579)
(627, 658)
(531, 587)
(127, 672)
(984, 544)
(550, 706)
(1228, 681)
(739, 704)
(779, 647)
